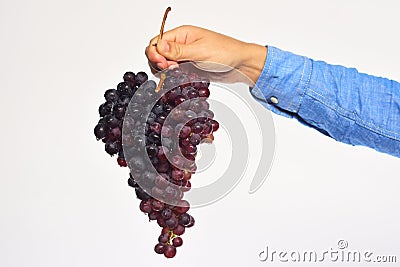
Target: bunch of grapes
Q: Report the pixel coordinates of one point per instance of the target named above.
(155, 130)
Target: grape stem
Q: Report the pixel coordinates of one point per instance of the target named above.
(162, 25)
(161, 82)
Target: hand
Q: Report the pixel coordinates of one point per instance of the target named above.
(205, 48)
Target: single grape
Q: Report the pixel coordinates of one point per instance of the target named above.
(157, 205)
(164, 238)
(132, 182)
(182, 207)
(177, 174)
(215, 125)
(170, 251)
(204, 92)
(195, 139)
(141, 77)
(166, 213)
(111, 95)
(185, 132)
(129, 77)
(124, 88)
(105, 109)
(161, 248)
(171, 222)
(177, 241)
(179, 229)
(112, 147)
(184, 219)
(100, 131)
(153, 215)
(141, 194)
(119, 111)
(145, 206)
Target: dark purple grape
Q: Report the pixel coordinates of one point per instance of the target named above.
(161, 222)
(153, 215)
(162, 167)
(100, 131)
(105, 109)
(114, 134)
(111, 95)
(119, 111)
(145, 206)
(170, 251)
(191, 222)
(129, 77)
(156, 127)
(192, 93)
(164, 238)
(132, 182)
(152, 150)
(204, 92)
(185, 131)
(184, 219)
(171, 222)
(190, 149)
(112, 147)
(141, 77)
(124, 88)
(154, 138)
(161, 118)
(161, 248)
(197, 127)
(195, 139)
(177, 174)
(215, 125)
(179, 229)
(179, 100)
(141, 194)
(182, 207)
(158, 109)
(207, 128)
(166, 213)
(157, 205)
(111, 121)
(177, 241)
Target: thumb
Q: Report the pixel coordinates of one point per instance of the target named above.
(175, 51)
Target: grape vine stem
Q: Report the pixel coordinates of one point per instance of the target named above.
(162, 25)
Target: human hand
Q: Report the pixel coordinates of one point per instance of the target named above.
(205, 48)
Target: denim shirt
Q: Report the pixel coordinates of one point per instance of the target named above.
(340, 102)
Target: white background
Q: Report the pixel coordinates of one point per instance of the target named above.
(64, 202)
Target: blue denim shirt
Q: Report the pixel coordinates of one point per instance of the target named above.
(340, 102)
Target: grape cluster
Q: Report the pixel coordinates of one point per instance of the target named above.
(112, 113)
(155, 130)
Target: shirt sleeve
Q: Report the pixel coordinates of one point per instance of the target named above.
(340, 102)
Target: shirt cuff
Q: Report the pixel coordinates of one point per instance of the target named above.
(283, 81)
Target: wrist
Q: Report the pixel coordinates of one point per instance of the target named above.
(253, 60)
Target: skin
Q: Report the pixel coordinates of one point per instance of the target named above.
(205, 48)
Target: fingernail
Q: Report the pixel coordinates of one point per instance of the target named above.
(160, 66)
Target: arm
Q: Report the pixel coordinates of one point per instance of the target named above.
(340, 102)
(349, 106)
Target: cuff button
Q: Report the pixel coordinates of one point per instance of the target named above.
(274, 100)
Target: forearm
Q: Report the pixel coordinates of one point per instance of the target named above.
(342, 103)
